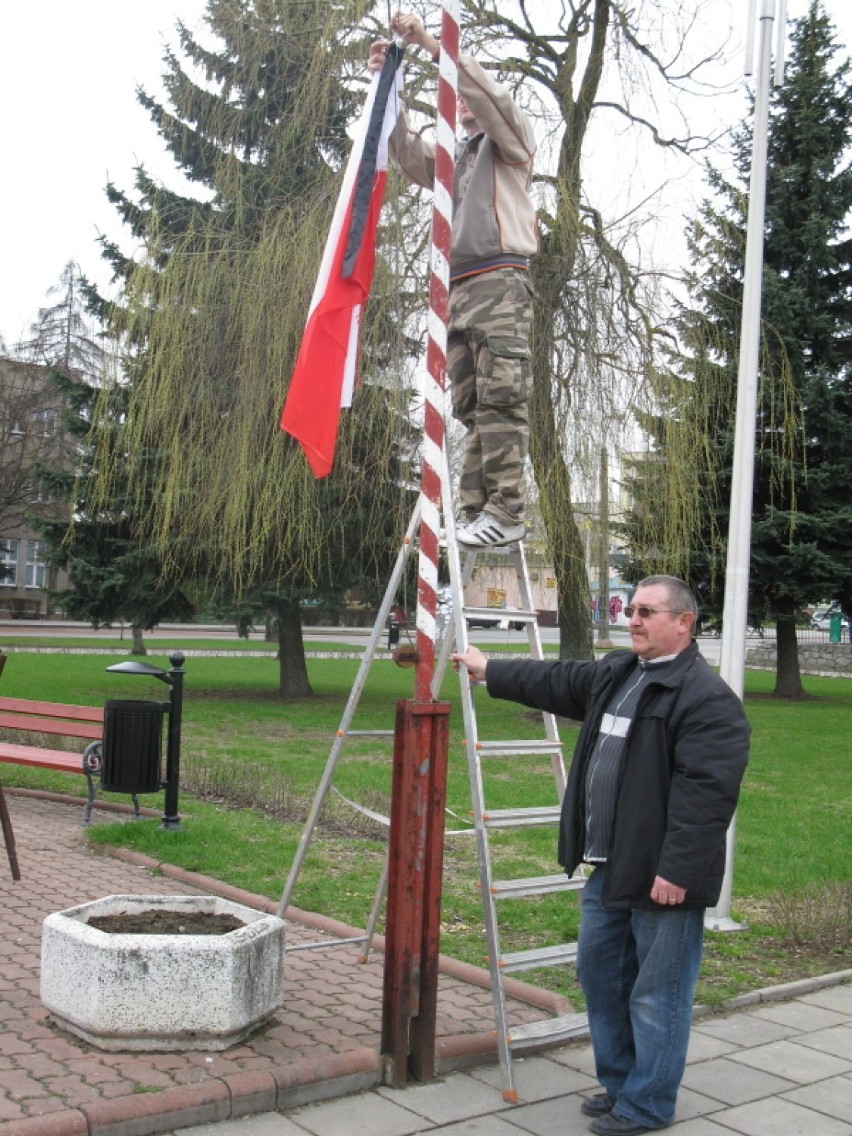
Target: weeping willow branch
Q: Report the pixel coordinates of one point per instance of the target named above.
(216, 306)
(682, 484)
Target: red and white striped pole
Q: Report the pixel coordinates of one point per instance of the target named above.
(432, 455)
(416, 839)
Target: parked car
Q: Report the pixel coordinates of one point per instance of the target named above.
(821, 618)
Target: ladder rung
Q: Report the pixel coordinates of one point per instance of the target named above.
(523, 746)
(369, 733)
(548, 1029)
(521, 818)
(500, 614)
(535, 885)
(318, 944)
(540, 956)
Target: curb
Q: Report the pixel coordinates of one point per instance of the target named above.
(224, 1098)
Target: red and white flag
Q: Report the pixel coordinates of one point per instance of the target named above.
(324, 374)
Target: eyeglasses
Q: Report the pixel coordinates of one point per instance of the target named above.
(645, 612)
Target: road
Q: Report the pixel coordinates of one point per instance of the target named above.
(348, 636)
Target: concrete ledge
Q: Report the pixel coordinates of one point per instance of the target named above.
(252, 1092)
(68, 1122)
(465, 1051)
(309, 1081)
(150, 1113)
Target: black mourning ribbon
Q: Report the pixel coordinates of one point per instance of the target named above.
(367, 166)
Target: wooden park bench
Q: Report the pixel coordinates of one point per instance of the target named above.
(37, 720)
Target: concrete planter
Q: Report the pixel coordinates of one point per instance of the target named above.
(161, 992)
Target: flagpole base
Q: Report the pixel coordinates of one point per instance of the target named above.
(722, 923)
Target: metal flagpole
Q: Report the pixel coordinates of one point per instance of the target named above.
(735, 609)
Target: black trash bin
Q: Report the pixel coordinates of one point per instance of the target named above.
(132, 747)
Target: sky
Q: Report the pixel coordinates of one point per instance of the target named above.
(68, 78)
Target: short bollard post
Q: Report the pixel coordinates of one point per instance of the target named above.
(174, 678)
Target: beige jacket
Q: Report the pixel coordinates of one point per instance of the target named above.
(493, 216)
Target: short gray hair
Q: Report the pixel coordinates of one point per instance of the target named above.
(680, 595)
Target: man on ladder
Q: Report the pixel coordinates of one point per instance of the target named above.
(493, 236)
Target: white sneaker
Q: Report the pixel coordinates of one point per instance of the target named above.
(487, 532)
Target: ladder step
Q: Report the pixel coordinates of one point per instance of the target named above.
(535, 885)
(539, 957)
(521, 747)
(500, 614)
(319, 944)
(369, 733)
(521, 818)
(548, 1029)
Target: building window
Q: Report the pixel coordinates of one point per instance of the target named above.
(9, 563)
(49, 422)
(34, 491)
(36, 569)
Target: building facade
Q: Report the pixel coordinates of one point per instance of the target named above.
(31, 437)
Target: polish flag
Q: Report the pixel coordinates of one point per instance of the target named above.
(324, 375)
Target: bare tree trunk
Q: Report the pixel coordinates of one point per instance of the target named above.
(563, 535)
(788, 680)
(603, 555)
(292, 668)
(138, 648)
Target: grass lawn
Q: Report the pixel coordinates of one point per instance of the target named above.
(113, 641)
(250, 765)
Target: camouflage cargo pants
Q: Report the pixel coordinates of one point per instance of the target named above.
(488, 364)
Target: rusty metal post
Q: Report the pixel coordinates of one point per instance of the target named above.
(415, 866)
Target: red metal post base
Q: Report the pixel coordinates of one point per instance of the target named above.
(415, 867)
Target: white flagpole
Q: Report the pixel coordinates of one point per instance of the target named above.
(735, 610)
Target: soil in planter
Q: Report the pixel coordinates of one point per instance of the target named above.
(156, 922)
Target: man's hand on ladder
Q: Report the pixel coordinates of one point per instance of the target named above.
(473, 661)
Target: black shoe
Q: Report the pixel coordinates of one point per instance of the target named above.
(598, 1105)
(610, 1124)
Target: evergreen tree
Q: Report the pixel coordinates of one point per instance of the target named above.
(802, 505)
(113, 575)
(61, 335)
(217, 305)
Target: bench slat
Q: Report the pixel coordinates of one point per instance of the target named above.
(44, 758)
(53, 709)
(35, 724)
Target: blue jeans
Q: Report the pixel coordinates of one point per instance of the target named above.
(638, 971)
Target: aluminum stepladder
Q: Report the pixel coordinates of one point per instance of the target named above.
(511, 1039)
(512, 754)
(344, 731)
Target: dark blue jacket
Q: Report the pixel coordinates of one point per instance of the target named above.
(686, 754)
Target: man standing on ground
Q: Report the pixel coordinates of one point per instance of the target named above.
(652, 789)
(494, 235)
